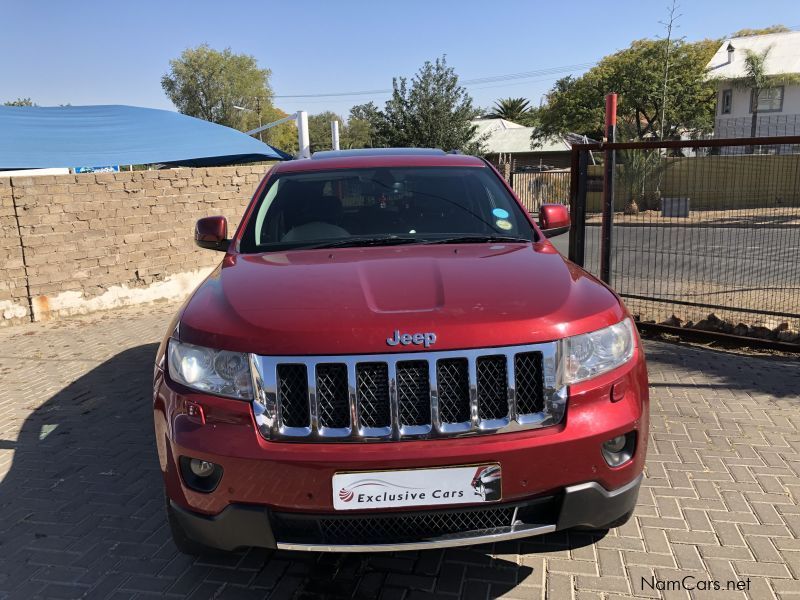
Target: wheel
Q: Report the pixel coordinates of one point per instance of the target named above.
(184, 544)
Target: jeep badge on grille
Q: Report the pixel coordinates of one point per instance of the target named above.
(426, 339)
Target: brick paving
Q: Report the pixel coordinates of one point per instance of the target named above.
(81, 511)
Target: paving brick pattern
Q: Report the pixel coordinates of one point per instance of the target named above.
(81, 511)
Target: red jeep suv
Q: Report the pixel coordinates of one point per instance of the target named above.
(392, 355)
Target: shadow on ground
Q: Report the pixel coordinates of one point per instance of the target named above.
(756, 375)
(82, 516)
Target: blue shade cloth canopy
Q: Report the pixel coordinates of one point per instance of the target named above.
(33, 137)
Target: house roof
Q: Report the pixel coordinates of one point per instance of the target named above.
(507, 137)
(783, 58)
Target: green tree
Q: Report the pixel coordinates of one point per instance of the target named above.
(517, 110)
(755, 78)
(20, 102)
(637, 75)
(434, 111)
(283, 136)
(209, 84)
(363, 124)
(319, 130)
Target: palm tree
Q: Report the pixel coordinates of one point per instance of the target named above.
(755, 78)
(511, 109)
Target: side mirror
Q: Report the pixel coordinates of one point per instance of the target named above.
(553, 219)
(212, 233)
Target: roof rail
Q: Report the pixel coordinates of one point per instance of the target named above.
(325, 154)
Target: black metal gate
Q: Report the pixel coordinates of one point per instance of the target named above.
(537, 187)
(706, 234)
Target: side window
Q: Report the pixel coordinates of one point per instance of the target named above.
(726, 103)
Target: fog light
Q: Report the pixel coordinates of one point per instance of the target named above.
(616, 444)
(201, 468)
(200, 475)
(619, 450)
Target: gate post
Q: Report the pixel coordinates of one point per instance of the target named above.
(577, 201)
(608, 189)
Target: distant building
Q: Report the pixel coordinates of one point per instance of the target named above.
(510, 143)
(778, 107)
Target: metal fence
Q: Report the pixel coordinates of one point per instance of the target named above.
(535, 188)
(766, 125)
(706, 234)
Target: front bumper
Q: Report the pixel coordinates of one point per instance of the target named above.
(264, 480)
(586, 505)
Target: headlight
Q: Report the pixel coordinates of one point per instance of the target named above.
(217, 372)
(594, 353)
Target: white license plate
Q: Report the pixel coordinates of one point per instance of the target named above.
(417, 487)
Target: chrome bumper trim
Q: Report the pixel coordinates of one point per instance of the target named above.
(503, 534)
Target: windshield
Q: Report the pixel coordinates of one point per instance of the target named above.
(385, 205)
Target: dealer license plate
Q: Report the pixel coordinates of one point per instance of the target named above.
(417, 487)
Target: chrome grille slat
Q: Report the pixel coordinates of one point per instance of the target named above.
(293, 395)
(409, 395)
(454, 396)
(372, 385)
(413, 393)
(333, 406)
(492, 387)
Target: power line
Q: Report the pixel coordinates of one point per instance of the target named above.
(466, 82)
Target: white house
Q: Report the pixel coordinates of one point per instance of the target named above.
(508, 142)
(778, 107)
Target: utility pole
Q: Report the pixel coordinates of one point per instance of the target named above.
(258, 110)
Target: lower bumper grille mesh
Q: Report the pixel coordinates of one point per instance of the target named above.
(407, 527)
(396, 528)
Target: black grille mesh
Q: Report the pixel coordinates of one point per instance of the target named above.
(332, 398)
(492, 387)
(414, 392)
(372, 386)
(394, 528)
(528, 382)
(293, 395)
(453, 386)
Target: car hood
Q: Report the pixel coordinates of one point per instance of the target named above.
(351, 300)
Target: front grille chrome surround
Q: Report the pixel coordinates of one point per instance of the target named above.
(409, 395)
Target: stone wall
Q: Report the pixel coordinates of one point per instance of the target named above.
(78, 243)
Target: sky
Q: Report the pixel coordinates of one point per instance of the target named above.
(92, 52)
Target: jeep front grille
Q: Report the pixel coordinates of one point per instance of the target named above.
(408, 395)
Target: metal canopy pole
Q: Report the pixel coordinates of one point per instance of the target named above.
(335, 135)
(608, 189)
(302, 135)
(301, 120)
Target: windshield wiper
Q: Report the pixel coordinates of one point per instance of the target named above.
(480, 239)
(384, 240)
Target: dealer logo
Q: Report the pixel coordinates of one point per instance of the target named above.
(345, 495)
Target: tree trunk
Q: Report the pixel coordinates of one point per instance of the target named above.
(754, 121)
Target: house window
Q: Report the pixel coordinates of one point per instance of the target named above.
(769, 100)
(726, 103)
